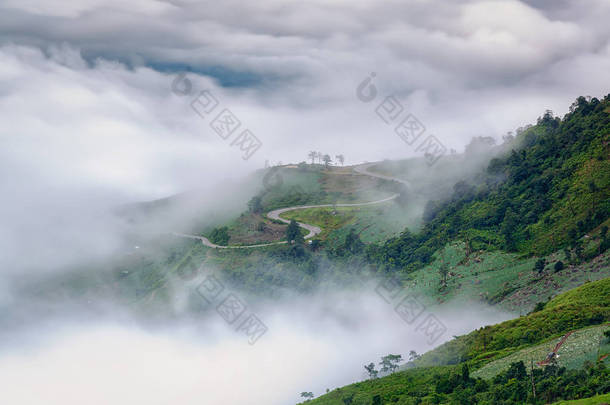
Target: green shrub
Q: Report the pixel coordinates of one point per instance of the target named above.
(220, 236)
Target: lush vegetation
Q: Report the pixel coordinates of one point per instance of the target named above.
(582, 345)
(313, 184)
(220, 235)
(551, 189)
(584, 306)
(453, 383)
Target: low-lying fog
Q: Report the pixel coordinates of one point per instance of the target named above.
(312, 343)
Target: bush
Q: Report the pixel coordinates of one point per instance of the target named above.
(559, 266)
(539, 266)
(539, 307)
(255, 204)
(220, 236)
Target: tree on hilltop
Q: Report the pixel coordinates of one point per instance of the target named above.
(312, 155)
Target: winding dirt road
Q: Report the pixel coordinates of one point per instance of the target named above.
(364, 169)
(312, 229)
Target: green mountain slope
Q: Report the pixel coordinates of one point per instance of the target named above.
(547, 193)
(578, 308)
(456, 384)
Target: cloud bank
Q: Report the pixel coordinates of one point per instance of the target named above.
(312, 343)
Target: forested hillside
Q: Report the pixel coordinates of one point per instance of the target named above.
(546, 194)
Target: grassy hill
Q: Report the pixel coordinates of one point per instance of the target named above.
(489, 348)
(507, 280)
(577, 308)
(586, 344)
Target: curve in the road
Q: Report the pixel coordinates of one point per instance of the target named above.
(364, 169)
(312, 229)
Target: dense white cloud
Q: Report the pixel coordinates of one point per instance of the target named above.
(312, 343)
(79, 140)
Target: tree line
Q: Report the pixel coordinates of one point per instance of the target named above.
(324, 158)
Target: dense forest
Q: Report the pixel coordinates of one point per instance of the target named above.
(544, 195)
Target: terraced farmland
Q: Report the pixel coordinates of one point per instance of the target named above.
(586, 344)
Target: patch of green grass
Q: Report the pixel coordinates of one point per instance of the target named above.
(596, 400)
(251, 229)
(598, 294)
(500, 278)
(380, 222)
(479, 276)
(318, 185)
(325, 218)
(372, 223)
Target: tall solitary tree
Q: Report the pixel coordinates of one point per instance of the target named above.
(508, 228)
(465, 373)
(390, 363)
(293, 233)
(370, 369)
(312, 155)
(340, 159)
(413, 355)
(539, 266)
(443, 271)
(327, 160)
(353, 244)
(255, 204)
